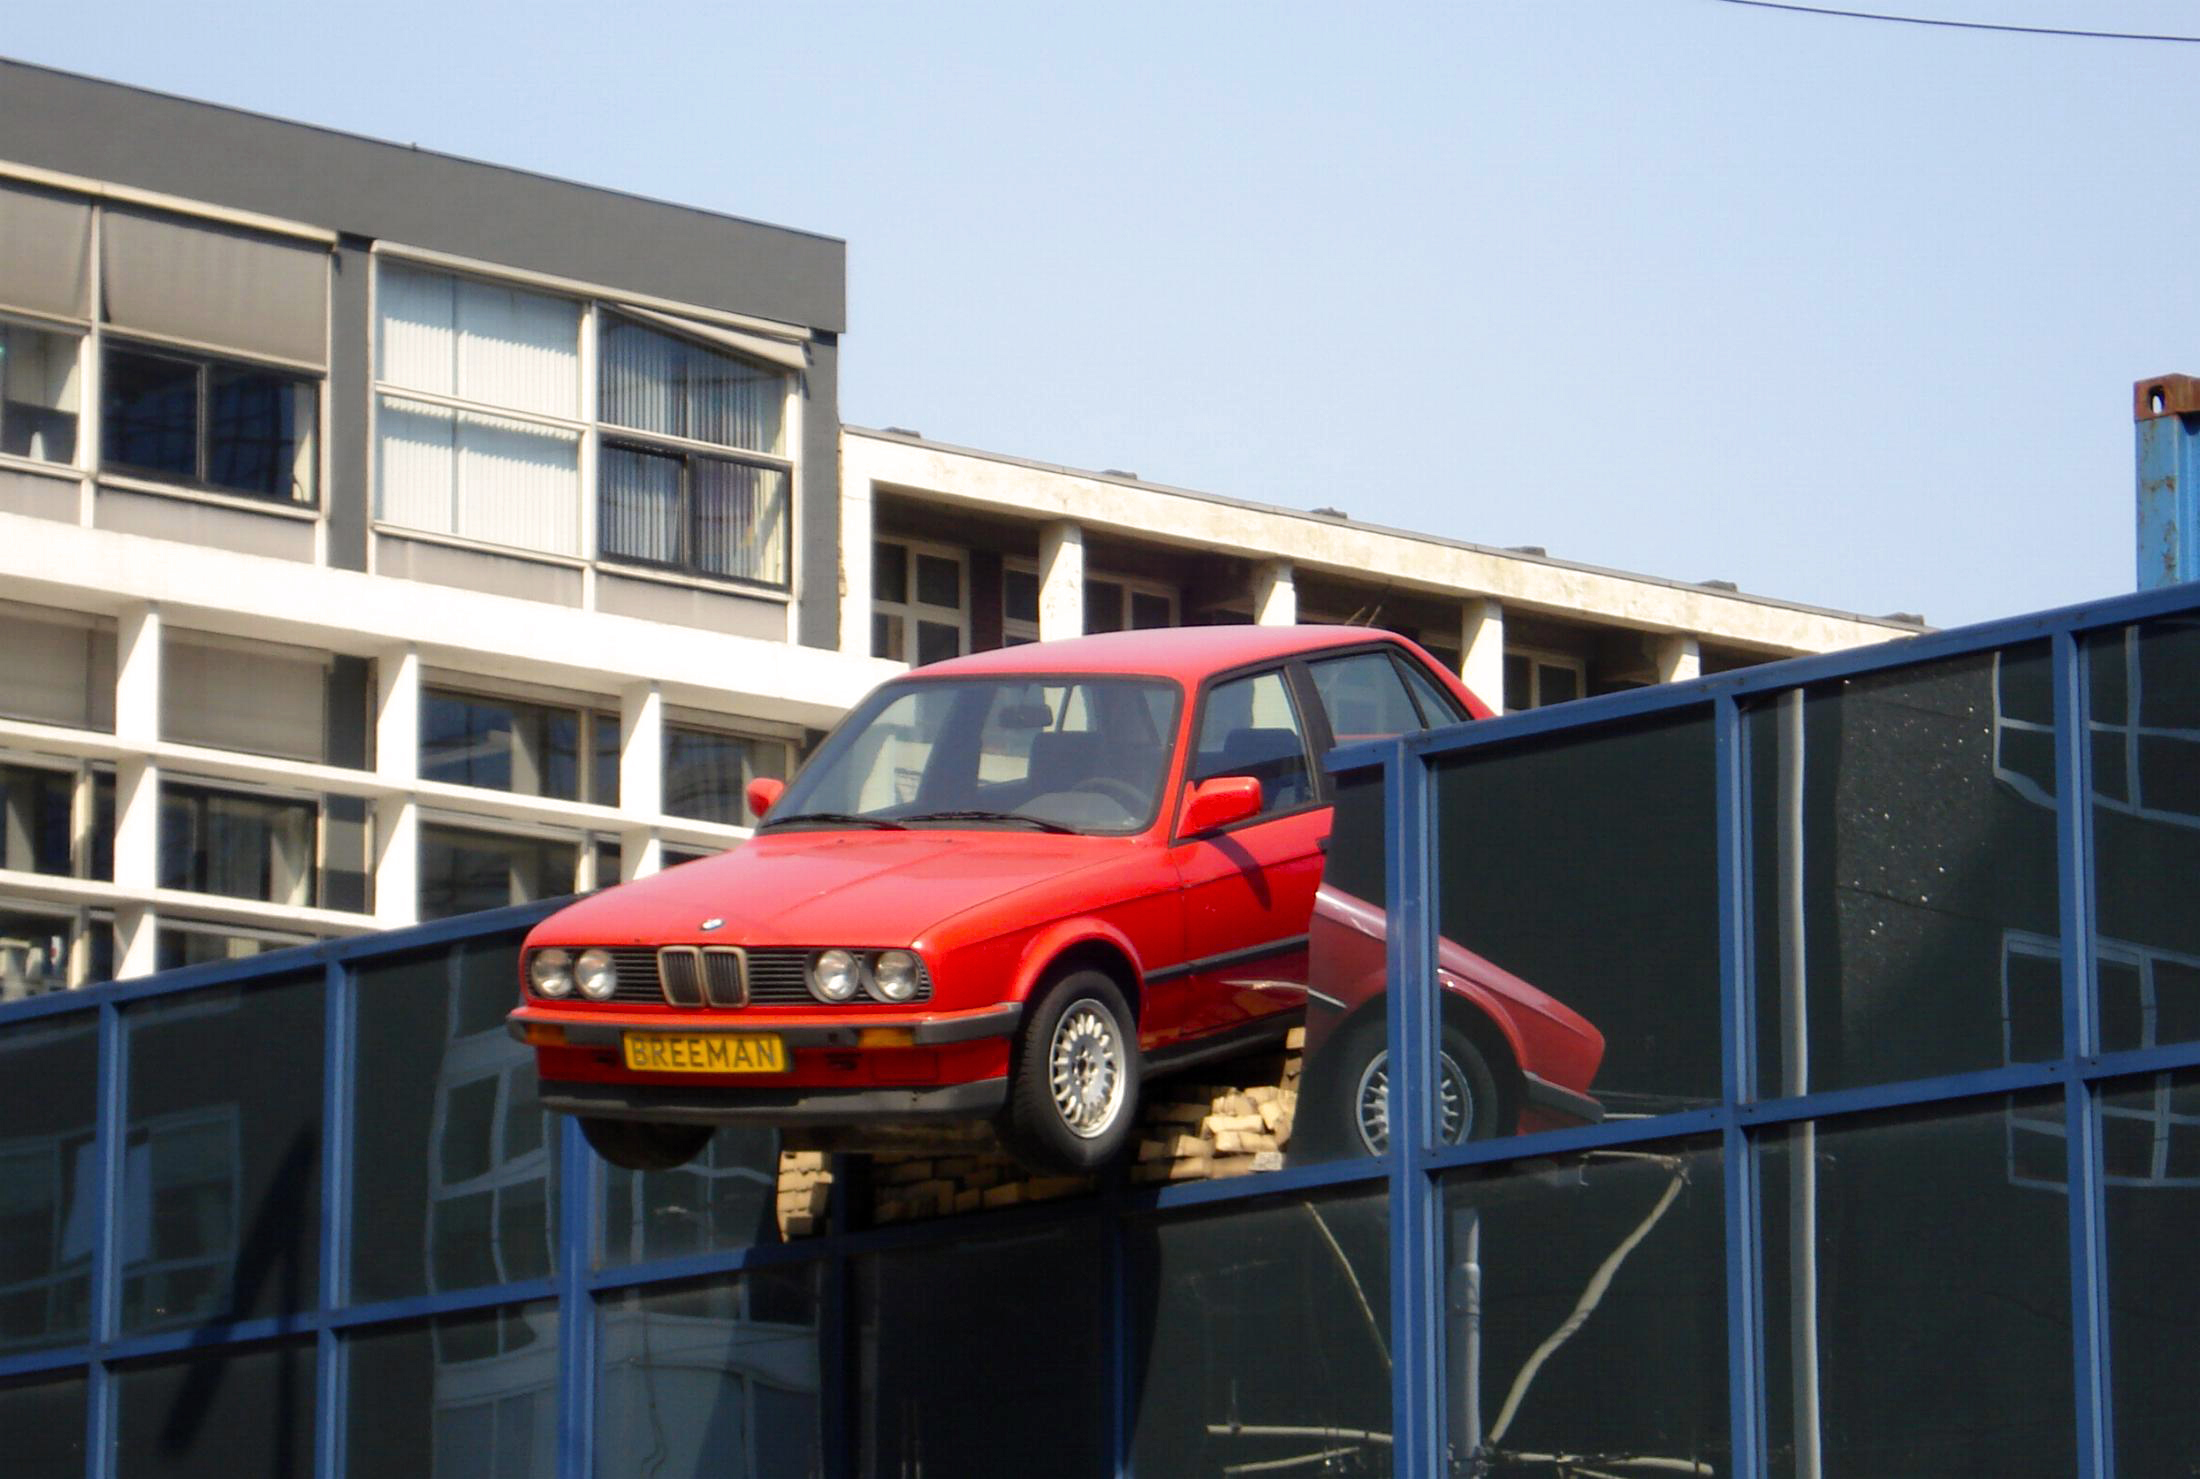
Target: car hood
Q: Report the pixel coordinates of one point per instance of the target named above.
(861, 888)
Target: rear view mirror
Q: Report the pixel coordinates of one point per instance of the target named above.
(1217, 803)
(763, 792)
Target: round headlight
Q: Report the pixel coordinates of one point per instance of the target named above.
(893, 976)
(552, 972)
(595, 975)
(835, 976)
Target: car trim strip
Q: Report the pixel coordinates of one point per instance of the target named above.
(808, 1106)
(1226, 959)
(1542, 1094)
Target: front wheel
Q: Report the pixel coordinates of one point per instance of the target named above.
(1352, 1116)
(633, 1145)
(1073, 1077)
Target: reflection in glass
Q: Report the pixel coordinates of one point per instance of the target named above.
(221, 1178)
(43, 1418)
(463, 871)
(2144, 734)
(1917, 1293)
(1262, 1336)
(455, 1398)
(721, 1200)
(2150, 1133)
(1559, 1280)
(47, 1073)
(981, 1350)
(717, 1377)
(456, 1160)
(1903, 855)
(247, 1410)
(1584, 868)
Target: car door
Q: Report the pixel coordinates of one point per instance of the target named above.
(1247, 889)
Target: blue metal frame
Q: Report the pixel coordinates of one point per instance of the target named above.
(1413, 1172)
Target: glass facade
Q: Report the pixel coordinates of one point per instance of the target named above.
(1796, 1078)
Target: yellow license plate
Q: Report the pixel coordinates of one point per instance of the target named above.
(705, 1052)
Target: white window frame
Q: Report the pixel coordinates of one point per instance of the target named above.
(1540, 658)
(911, 611)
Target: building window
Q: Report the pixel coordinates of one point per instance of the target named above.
(211, 423)
(183, 942)
(39, 390)
(43, 832)
(1113, 603)
(236, 844)
(463, 870)
(1535, 679)
(917, 610)
(502, 744)
(262, 698)
(57, 667)
(478, 410)
(690, 506)
(707, 773)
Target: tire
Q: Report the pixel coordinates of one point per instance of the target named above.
(635, 1145)
(1350, 1115)
(1073, 1077)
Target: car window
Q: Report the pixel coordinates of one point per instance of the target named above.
(1437, 706)
(1363, 696)
(1251, 727)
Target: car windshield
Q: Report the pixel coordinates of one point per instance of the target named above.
(1037, 753)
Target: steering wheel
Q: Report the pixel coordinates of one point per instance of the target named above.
(1123, 793)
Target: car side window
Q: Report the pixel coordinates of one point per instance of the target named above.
(1251, 727)
(1364, 697)
(1438, 708)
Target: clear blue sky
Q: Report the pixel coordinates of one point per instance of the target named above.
(1845, 312)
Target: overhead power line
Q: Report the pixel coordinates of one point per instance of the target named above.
(1923, 20)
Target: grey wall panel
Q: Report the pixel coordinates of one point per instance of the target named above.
(817, 540)
(386, 191)
(351, 405)
(45, 252)
(476, 570)
(213, 285)
(680, 605)
(40, 497)
(189, 522)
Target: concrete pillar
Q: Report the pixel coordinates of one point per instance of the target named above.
(641, 778)
(1061, 581)
(397, 762)
(137, 785)
(1482, 651)
(1677, 658)
(1275, 595)
(855, 566)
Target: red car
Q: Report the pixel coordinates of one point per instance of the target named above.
(1005, 888)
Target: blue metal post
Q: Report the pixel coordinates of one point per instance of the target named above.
(108, 1130)
(578, 1219)
(1416, 1251)
(2167, 415)
(336, 1173)
(1744, 1273)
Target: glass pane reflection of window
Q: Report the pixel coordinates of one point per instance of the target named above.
(457, 1397)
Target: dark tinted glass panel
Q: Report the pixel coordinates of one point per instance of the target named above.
(43, 1418)
(890, 572)
(1262, 1337)
(181, 947)
(501, 744)
(980, 1352)
(1904, 875)
(221, 1184)
(722, 1199)
(463, 871)
(1150, 611)
(150, 412)
(250, 847)
(2150, 1133)
(1364, 697)
(706, 773)
(1519, 683)
(717, 1378)
(48, 1071)
(1020, 595)
(1438, 707)
(1103, 606)
(2144, 728)
(35, 811)
(259, 433)
(1917, 1294)
(245, 1411)
(937, 642)
(473, 1394)
(604, 762)
(1556, 684)
(455, 1183)
(939, 581)
(1565, 1275)
(35, 947)
(1581, 868)
(1346, 1025)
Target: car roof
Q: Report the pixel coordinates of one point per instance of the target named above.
(1188, 653)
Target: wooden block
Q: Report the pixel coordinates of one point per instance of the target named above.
(1190, 1170)
(969, 1201)
(791, 1180)
(890, 1212)
(934, 1193)
(1215, 1124)
(1262, 1094)
(1268, 1160)
(1273, 1114)
(955, 1167)
(1004, 1196)
(983, 1177)
(1153, 1171)
(1231, 1104)
(797, 1227)
(1234, 1165)
(1295, 1039)
(810, 1201)
(1040, 1188)
(1243, 1142)
(1153, 1150)
(802, 1160)
(907, 1173)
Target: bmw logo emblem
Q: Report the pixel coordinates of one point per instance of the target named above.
(710, 924)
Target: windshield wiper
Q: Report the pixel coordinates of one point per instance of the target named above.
(988, 816)
(847, 817)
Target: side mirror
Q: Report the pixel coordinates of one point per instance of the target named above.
(763, 792)
(1217, 803)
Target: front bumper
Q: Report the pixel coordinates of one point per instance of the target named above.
(704, 1105)
(598, 1029)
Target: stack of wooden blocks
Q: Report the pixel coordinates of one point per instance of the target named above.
(1187, 1132)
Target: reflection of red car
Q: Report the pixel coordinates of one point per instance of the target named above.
(1514, 1060)
(1005, 887)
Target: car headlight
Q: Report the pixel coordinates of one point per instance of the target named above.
(552, 972)
(595, 975)
(893, 976)
(835, 975)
